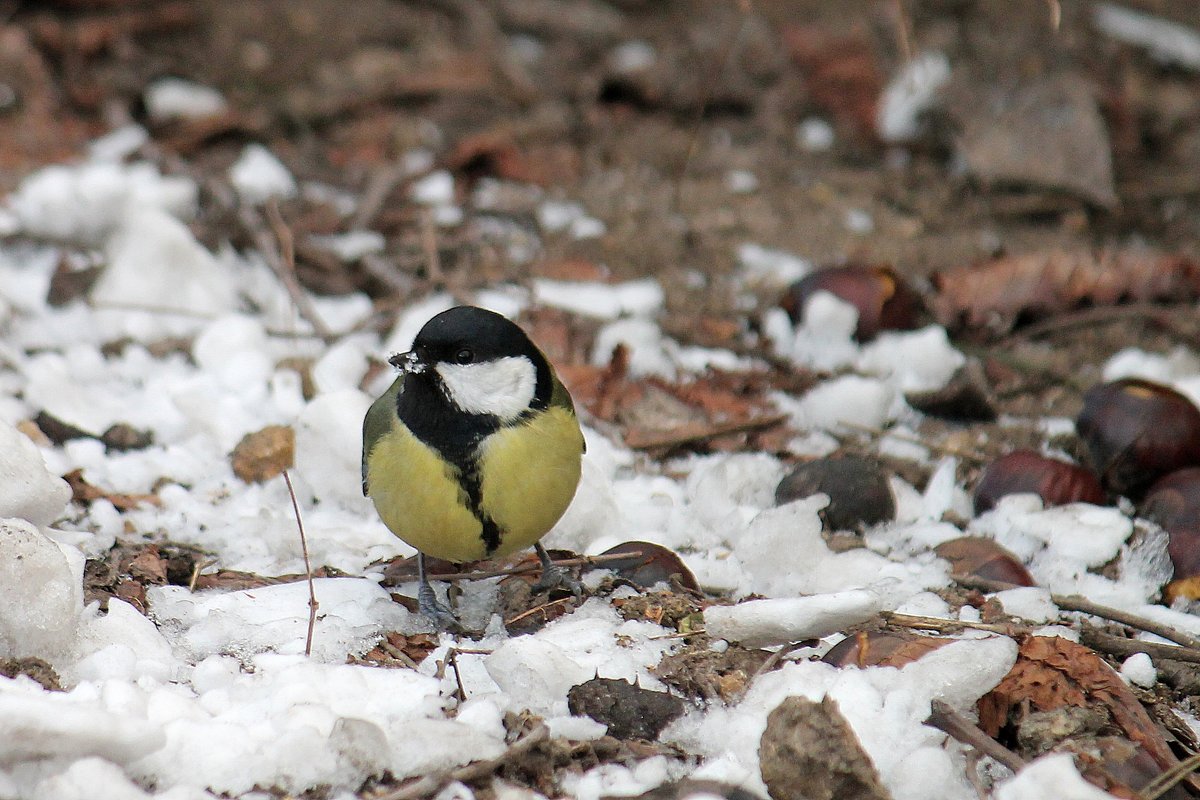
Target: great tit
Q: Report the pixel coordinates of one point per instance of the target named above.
(474, 451)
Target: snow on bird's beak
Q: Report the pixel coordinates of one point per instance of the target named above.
(408, 363)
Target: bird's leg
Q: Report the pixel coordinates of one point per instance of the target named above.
(554, 577)
(442, 617)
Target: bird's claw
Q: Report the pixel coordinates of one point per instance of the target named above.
(432, 609)
(555, 577)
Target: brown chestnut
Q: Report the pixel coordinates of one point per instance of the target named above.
(1056, 482)
(1136, 431)
(983, 558)
(1174, 503)
(883, 299)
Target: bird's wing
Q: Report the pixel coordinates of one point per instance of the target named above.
(378, 422)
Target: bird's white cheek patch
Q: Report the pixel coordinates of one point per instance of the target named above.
(503, 388)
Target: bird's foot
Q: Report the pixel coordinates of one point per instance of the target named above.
(556, 577)
(435, 611)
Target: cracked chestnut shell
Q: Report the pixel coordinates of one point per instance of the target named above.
(1056, 482)
(1136, 431)
(883, 299)
(1174, 503)
(983, 558)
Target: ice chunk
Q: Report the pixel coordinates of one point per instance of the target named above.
(536, 673)
(122, 645)
(27, 489)
(353, 613)
(1028, 602)
(909, 95)
(1051, 777)
(175, 98)
(914, 361)
(87, 202)
(1167, 41)
(154, 261)
(601, 300)
(41, 594)
(1139, 670)
(850, 399)
(90, 778)
(53, 724)
(762, 623)
(258, 175)
(329, 447)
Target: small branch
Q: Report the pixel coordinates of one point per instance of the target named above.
(778, 656)
(1154, 313)
(312, 595)
(536, 609)
(1083, 605)
(678, 635)
(1165, 781)
(429, 246)
(958, 727)
(950, 625)
(431, 784)
(281, 259)
(1123, 648)
(581, 561)
(379, 186)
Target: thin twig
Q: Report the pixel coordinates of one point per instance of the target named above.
(678, 635)
(521, 569)
(903, 34)
(942, 625)
(281, 259)
(1166, 780)
(778, 656)
(1123, 648)
(312, 595)
(429, 246)
(1085, 606)
(197, 568)
(1055, 9)
(1154, 313)
(957, 726)
(379, 186)
(431, 784)
(536, 609)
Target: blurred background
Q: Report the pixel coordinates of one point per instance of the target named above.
(929, 135)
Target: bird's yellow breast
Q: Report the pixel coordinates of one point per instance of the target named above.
(529, 474)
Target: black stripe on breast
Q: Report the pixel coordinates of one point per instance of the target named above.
(456, 436)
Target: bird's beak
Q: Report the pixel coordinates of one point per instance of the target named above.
(409, 363)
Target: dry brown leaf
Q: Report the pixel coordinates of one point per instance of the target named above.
(1052, 672)
(993, 295)
(85, 493)
(263, 454)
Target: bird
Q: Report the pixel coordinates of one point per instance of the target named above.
(475, 450)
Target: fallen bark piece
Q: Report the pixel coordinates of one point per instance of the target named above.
(762, 623)
(1047, 134)
(809, 752)
(991, 296)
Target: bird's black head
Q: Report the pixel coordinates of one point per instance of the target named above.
(480, 362)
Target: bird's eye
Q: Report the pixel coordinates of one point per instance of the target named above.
(464, 356)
